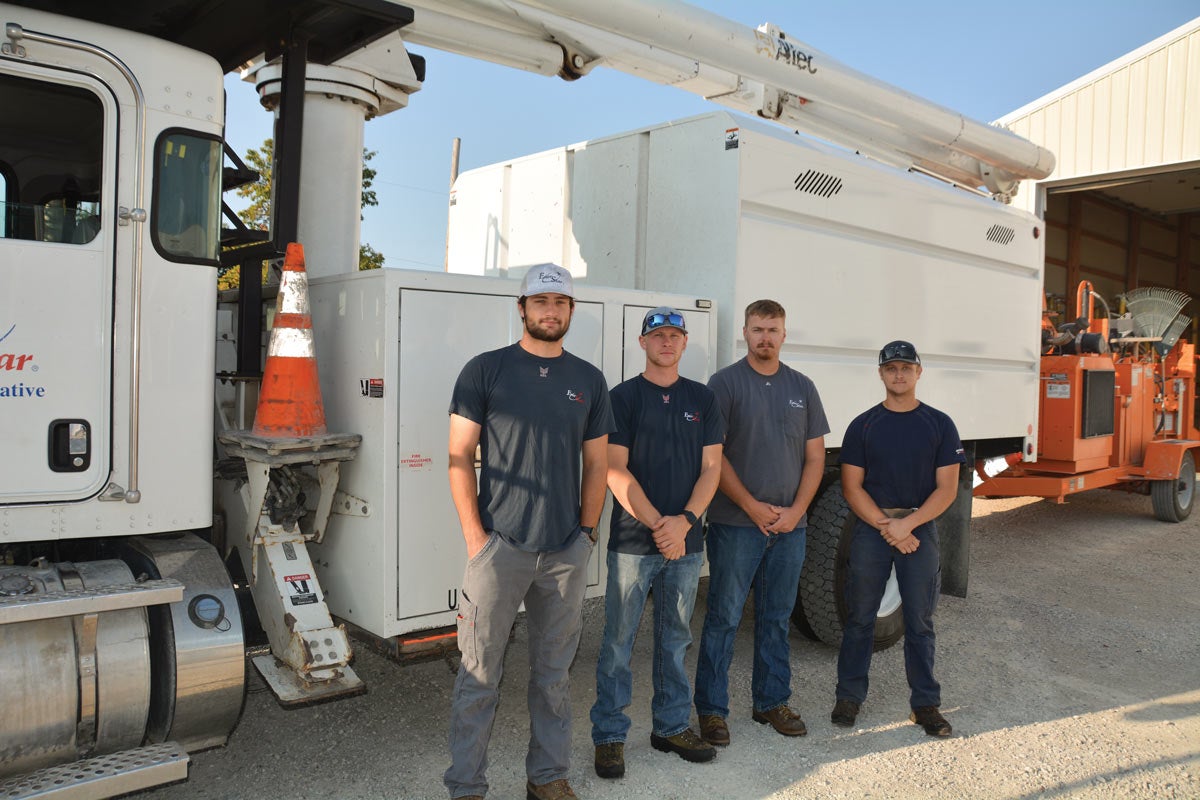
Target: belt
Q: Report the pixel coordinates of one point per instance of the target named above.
(897, 513)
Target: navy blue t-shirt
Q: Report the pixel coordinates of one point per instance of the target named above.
(666, 431)
(900, 452)
(535, 415)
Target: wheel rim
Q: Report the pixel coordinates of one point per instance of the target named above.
(891, 596)
(1184, 488)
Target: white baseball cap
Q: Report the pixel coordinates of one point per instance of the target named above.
(546, 278)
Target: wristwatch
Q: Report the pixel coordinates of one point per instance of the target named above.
(689, 516)
(589, 531)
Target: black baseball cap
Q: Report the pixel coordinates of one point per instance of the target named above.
(898, 350)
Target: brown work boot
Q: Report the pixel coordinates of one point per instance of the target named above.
(714, 730)
(610, 760)
(783, 720)
(686, 744)
(554, 790)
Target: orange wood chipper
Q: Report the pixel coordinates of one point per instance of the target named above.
(1117, 406)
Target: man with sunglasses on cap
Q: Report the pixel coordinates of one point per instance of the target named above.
(528, 520)
(900, 462)
(772, 464)
(664, 461)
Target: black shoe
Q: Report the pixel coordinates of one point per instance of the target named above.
(929, 718)
(844, 713)
(687, 744)
(610, 760)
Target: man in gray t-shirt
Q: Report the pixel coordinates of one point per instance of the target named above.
(528, 521)
(774, 457)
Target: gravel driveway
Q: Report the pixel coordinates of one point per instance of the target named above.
(1071, 670)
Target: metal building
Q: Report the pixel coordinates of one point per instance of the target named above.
(1122, 207)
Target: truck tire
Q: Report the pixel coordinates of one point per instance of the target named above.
(1173, 499)
(820, 611)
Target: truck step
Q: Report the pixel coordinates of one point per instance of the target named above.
(52, 605)
(103, 776)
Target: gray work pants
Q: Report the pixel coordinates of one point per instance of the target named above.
(498, 579)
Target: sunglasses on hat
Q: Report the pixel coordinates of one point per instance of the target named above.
(898, 351)
(656, 320)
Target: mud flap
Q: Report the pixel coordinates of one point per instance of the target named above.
(954, 531)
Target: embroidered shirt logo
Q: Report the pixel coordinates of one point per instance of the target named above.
(543, 372)
(691, 416)
(574, 397)
(666, 399)
(796, 403)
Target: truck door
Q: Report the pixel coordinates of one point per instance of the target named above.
(57, 214)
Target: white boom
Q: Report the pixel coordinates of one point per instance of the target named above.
(760, 71)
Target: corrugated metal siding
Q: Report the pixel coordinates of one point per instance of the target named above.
(1142, 110)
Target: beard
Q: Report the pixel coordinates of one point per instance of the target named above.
(543, 335)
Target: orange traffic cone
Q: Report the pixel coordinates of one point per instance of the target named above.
(289, 404)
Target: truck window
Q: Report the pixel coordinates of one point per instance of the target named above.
(8, 200)
(51, 160)
(187, 197)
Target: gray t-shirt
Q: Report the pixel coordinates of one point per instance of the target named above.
(768, 421)
(535, 415)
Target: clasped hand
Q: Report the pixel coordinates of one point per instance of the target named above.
(898, 533)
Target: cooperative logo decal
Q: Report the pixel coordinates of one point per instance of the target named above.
(18, 362)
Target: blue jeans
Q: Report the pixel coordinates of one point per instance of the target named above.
(741, 557)
(920, 578)
(630, 579)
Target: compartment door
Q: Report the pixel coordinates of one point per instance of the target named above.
(439, 332)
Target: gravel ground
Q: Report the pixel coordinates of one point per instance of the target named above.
(1071, 670)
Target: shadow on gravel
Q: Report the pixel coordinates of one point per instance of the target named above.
(1089, 786)
(1164, 712)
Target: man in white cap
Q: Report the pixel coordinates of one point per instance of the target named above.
(664, 462)
(528, 522)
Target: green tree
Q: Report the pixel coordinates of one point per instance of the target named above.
(257, 215)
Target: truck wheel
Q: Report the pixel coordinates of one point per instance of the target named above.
(1173, 499)
(820, 611)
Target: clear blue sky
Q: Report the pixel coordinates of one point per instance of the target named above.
(982, 59)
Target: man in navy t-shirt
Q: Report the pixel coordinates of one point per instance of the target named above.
(532, 409)
(900, 463)
(664, 462)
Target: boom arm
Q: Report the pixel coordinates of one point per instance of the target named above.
(758, 71)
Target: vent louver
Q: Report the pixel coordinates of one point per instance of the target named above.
(1001, 234)
(818, 183)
